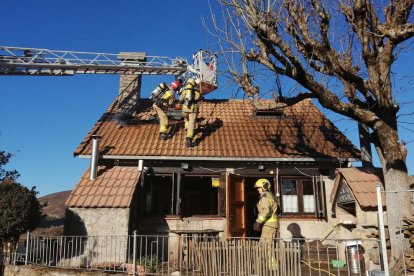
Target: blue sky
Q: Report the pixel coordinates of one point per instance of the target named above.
(43, 119)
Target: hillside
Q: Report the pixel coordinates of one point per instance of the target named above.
(52, 224)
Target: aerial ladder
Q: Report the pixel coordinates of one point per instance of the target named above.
(44, 62)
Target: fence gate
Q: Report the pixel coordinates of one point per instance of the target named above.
(248, 257)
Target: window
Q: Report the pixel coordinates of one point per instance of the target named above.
(298, 196)
(157, 195)
(269, 113)
(198, 197)
(195, 195)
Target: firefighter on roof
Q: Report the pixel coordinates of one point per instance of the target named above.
(266, 221)
(190, 97)
(163, 97)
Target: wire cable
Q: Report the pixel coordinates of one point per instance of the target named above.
(318, 269)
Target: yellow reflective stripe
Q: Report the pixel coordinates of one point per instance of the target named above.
(262, 219)
(272, 219)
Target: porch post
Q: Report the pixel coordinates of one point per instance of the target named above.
(134, 254)
(178, 207)
(27, 247)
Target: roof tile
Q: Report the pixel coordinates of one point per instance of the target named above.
(362, 183)
(227, 128)
(113, 182)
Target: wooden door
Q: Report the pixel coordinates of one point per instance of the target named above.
(236, 205)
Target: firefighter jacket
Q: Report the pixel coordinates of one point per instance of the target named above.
(267, 208)
(190, 97)
(165, 97)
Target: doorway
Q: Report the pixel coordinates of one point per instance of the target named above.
(242, 199)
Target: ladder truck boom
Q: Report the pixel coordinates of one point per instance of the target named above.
(45, 62)
(34, 61)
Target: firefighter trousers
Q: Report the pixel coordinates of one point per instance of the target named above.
(162, 115)
(269, 232)
(189, 123)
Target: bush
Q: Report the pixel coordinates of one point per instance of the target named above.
(19, 210)
(150, 263)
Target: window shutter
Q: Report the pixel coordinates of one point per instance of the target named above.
(316, 195)
(321, 197)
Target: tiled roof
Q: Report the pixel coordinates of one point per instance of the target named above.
(227, 129)
(112, 188)
(362, 182)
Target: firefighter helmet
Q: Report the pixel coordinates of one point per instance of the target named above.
(262, 183)
(175, 85)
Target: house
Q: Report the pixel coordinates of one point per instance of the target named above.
(160, 187)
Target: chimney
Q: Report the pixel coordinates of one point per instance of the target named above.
(129, 86)
(365, 145)
(94, 156)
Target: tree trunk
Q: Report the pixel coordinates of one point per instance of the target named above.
(398, 202)
(398, 206)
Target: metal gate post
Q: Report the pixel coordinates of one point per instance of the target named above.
(134, 254)
(27, 248)
(382, 231)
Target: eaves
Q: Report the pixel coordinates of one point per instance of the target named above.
(202, 158)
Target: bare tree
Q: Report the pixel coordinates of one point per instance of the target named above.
(341, 52)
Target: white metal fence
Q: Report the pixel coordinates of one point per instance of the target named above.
(194, 255)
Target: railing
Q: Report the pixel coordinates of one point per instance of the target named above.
(194, 255)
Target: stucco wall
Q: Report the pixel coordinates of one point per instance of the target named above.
(97, 221)
(181, 224)
(107, 231)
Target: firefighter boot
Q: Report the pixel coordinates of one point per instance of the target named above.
(165, 136)
(189, 142)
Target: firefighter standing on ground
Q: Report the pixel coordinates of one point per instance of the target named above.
(190, 98)
(163, 97)
(266, 221)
